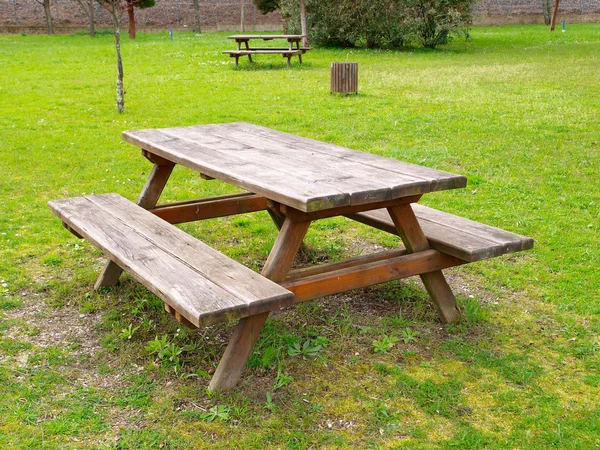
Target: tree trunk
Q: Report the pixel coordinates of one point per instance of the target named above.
(91, 19)
(243, 16)
(49, 24)
(120, 93)
(131, 17)
(554, 13)
(303, 23)
(197, 15)
(547, 10)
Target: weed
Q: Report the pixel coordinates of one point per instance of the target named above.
(309, 349)
(127, 333)
(269, 404)
(409, 335)
(384, 344)
(281, 379)
(220, 412)
(167, 352)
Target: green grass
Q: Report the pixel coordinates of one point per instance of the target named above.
(516, 110)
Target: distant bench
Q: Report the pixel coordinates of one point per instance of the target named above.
(293, 49)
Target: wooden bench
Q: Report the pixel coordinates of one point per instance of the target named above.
(293, 49)
(453, 235)
(199, 285)
(286, 53)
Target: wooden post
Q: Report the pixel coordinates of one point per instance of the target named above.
(554, 14)
(246, 332)
(415, 241)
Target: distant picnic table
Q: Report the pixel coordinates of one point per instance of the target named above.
(297, 181)
(294, 48)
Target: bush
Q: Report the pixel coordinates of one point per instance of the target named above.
(433, 22)
(380, 23)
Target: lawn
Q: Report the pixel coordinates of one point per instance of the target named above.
(515, 109)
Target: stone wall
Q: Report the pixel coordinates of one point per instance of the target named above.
(496, 12)
(28, 15)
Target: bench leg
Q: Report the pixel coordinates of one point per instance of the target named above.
(247, 330)
(148, 198)
(289, 62)
(300, 57)
(415, 241)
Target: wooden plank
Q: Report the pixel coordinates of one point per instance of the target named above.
(262, 52)
(301, 173)
(202, 209)
(436, 179)
(364, 184)
(300, 216)
(434, 281)
(350, 262)
(454, 235)
(226, 273)
(265, 37)
(157, 180)
(159, 271)
(201, 284)
(375, 272)
(206, 156)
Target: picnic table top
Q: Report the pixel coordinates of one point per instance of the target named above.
(266, 37)
(302, 173)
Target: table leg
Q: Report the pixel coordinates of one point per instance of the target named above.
(247, 330)
(415, 241)
(147, 200)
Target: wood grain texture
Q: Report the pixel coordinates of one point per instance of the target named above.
(305, 174)
(210, 208)
(201, 284)
(453, 235)
(344, 77)
(350, 262)
(157, 180)
(246, 332)
(368, 274)
(415, 241)
(266, 37)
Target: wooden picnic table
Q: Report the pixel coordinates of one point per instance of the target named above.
(298, 181)
(293, 48)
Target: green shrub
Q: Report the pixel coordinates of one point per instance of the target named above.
(380, 23)
(433, 22)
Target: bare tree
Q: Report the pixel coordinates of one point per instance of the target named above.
(115, 8)
(243, 17)
(48, 14)
(88, 7)
(197, 14)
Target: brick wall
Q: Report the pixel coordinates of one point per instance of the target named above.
(28, 15)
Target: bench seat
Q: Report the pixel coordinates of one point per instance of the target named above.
(453, 235)
(199, 283)
(284, 52)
